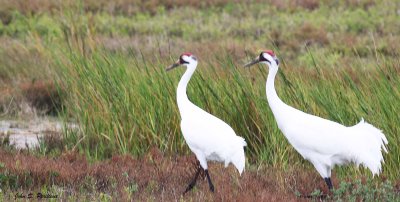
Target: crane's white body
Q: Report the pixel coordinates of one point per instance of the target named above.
(208, 137)
(323, 142)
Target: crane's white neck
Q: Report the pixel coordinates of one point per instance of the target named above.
(274, 101)
(182, 99)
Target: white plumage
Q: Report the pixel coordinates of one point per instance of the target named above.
(323, 142)
(207, 136)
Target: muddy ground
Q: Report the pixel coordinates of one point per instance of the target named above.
(23, 134)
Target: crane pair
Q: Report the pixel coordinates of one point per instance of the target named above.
(322, 142)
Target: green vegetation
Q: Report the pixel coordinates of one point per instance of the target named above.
(104, 66)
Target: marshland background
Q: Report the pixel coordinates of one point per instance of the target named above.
(100, 65)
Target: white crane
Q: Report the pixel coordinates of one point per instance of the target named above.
(323, 142)
(207, 136)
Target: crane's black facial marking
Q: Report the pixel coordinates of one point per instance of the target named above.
(263, 59)
(182, 61)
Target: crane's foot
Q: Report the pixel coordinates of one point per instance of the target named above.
(190, 187)
(329, 183)
(212, 188)
(193, 182)
(210, 184)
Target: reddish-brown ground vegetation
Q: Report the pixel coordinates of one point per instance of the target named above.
(157, 176)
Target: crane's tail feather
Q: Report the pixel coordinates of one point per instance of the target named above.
(238, 158)
(374, 142)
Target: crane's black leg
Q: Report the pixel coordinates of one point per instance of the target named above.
(328, 182)
(210, 184)
(193, 182)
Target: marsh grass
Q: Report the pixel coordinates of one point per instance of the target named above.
(126, 103)
(341, 64)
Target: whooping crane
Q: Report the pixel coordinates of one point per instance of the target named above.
(323, 142)
(207, 136)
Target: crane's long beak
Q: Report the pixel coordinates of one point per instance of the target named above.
(176, 64)
(255, 61)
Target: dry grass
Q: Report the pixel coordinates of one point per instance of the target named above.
(30, 98)
(42, 95)
(310, 34)
(293, 5)
(124, 7)
(131, 7)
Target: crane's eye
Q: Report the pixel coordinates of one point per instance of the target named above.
(277, 61)
(194, 58)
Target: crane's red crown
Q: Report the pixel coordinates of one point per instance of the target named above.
(270, 52)
(187, 54)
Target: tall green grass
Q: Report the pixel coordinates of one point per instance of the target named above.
(126, 103)
(124, 100)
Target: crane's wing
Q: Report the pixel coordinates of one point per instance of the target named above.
(209, 134)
